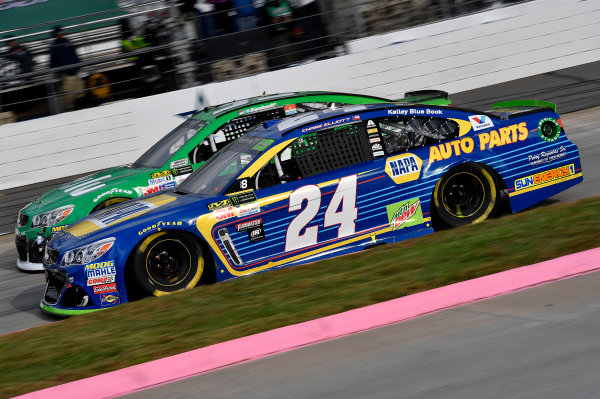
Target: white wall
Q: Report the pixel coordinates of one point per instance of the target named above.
(454, 55)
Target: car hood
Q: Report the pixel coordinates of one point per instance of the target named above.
(135, 214)
(87, 188)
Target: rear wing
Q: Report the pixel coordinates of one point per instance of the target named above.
(431, 97)
(509, 109)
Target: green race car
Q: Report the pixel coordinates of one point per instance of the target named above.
(170, 161)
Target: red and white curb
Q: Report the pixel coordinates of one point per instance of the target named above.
(198, 361)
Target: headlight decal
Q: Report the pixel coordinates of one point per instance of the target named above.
(87, 253)
(50, 218)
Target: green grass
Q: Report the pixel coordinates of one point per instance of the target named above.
(152, 328)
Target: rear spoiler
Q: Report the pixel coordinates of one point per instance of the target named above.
(520, 106)
(433, 97)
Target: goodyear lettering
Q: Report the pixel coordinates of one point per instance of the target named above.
(544, 177)
(159, 225)
(487, 141)
(113, 191)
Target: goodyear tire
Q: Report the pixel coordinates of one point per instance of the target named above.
(109, 202)
(166, 262)
(466, 194)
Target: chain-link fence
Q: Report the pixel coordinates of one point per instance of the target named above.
(156, 46)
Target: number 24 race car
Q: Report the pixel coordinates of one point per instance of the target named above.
(170, 161)
(309, 187)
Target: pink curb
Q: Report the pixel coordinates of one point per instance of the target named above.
(172, 368)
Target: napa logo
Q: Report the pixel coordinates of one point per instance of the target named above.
(480, 122)
(403, 168)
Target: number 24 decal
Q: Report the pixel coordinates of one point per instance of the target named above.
(344, 198)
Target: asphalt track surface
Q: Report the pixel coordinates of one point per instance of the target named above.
(538, 343)
(20, 292)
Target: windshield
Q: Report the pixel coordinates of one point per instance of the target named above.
(160, 152)
(219, 171)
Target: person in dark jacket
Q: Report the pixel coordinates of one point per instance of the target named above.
(63, 53)
(18, 53)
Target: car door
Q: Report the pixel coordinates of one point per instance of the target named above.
(307, 200)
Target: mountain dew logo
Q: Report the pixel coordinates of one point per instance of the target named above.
(405, 214)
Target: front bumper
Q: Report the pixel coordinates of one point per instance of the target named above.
(63, 298)
(30, 254)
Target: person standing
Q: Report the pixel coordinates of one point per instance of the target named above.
(63, 53)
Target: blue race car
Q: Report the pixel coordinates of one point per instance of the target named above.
(310, 187)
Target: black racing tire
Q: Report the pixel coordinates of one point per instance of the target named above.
(109, 202)
(167, 262)
(464, 195)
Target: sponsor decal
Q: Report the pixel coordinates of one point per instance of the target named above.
(329, 124)
(547, 156)
(370, 123)
(243, 198)
(159, 226)
(378, 154)
(290, 109)
(256, 234)
(184, 170)
(248, 209)
(99, 265)
(249, 225)
(220, 204)
(549, 123)
(487, 141)
(156, 188)
(56, 229)
(403, 168)
(376, 147)
(104, 272)
(179, 163)
(374, 140)
(160, 180)
(479, 122)
(160, 174)
(414, 111)
(179, 179)
(544, 177)
(112, 192)
(110, 299)
(255, 229)
(371, 131)
(405, 214)
(100, 280)
(100, 289)
(356, 118)
(256, 109)
(224, 213)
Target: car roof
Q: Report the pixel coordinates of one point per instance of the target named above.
(313, 119)
(213, 112)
